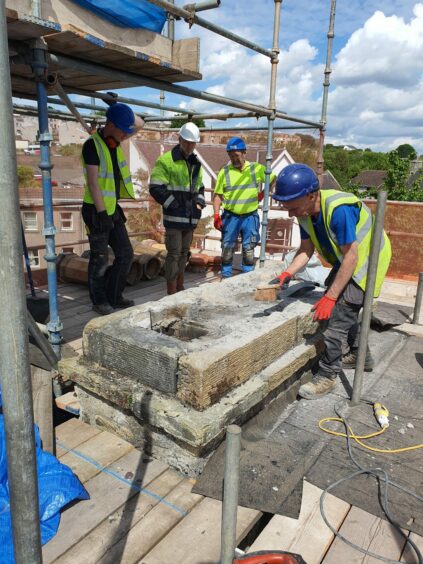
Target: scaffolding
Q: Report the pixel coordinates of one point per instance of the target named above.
(28, 49)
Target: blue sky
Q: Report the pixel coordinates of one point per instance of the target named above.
(376, 92)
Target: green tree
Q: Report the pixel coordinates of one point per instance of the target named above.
(180, 122)
(406, 151)
(397, 181)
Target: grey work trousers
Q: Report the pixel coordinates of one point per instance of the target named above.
(343, 329)
(178, 243)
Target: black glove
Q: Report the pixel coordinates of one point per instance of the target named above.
(104, 221)
(112, 101)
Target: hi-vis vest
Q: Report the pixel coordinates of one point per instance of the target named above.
(329, 201)
(106, 179)
(241, 188)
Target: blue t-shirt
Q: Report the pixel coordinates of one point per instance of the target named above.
(343, 224)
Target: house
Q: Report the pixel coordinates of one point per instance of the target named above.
(349, 148)
(329, 182)
(366, 179)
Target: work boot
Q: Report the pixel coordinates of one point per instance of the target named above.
(102, 309)
(349, 360)
(171, 287)
(319, 386)
(123, 303)
(180, 283)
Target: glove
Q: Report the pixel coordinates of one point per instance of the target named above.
(283, 279)
(323, 308)
(260, 196)
(105, 221)
(112, 99)
(217, 221)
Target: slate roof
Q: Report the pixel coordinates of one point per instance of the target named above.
(370, 178)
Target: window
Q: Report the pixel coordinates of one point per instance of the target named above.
(66, 221)
(67, 249)
(34, 259)
(30, 221)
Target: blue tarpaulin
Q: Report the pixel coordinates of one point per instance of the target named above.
(128, 13)
(57, 486)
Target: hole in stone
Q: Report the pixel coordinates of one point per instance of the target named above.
(182, 329)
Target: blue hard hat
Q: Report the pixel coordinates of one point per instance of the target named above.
(295, 181)
(122, 117)
(236, 144)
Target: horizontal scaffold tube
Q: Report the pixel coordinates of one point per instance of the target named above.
(137, 80)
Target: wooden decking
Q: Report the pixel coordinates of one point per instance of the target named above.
(142, 511)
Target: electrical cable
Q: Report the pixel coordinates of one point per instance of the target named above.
(357, 437)
(383, 484)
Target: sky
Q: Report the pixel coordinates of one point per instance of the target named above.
(376, 91)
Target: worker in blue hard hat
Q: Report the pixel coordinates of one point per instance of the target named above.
(239, 189)
(107, 179)
(339, 227)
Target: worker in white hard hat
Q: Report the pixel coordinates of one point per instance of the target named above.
(176, 184)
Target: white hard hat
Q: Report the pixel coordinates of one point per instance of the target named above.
(190, 132)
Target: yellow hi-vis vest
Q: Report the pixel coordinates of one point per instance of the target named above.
(241, 188)
(329, 201)
(106, 179)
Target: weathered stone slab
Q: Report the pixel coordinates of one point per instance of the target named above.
(200, 343)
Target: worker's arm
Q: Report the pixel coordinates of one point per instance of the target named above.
(302, 256)
(92, 177)
(217, 202)
(346, 270)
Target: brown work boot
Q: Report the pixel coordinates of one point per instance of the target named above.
(318, 387)
(180, 283)
(349, 360)
(171, 287)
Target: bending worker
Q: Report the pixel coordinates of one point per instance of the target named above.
(238, 192)
(107, 179)
(176, 184)
(339, 226)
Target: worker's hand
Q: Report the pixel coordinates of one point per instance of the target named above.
(113, 98)
(217, 221)
(323, 308)
(283, 279)
(260, 196)
(105, 221)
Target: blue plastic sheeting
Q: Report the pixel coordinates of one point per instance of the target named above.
(57, 486)
(128, 13)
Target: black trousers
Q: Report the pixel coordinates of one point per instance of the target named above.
(105, 283)
(342, 331)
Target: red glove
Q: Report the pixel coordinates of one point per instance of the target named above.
(217, 221)
(323, 308)
(260, 196)
(282, 279)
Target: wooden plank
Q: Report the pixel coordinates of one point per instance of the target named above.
(151, 530)
(308, 535)
(108, 491)
(42, 399)
(109, 536)
(73, 433)
(409, 555)
(368, 532)
(197, 537)
(98, 452)
(68, 402)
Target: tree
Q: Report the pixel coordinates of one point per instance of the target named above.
(397, 181)
(180, 122)
(406, 151)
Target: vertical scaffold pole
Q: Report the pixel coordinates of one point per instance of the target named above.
(375, 247)
(15, 376)
(40, 68)
(230, 494)
(270, 124)
(326, 83)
